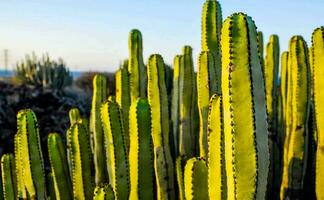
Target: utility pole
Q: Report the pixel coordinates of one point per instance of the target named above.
(6, 59)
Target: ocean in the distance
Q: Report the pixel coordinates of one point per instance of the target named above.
(8, 73)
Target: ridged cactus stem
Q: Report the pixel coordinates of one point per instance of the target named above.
(179, 168)
(261, 47)
(117, 162)
(8, 176)
(211, 25)
(104, 192)
(284, 83)
(195, 179)
(158, 100)
(206, 82)
(98, 97)
(217, 186)
(31, 155)
(81, 161)
(136, 67)
(294, 162)
(74, 115)
(59, 167)
(318, 73)
(244, 107)
(21, 190)
(141, 156)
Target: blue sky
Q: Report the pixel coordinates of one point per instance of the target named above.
(93, 34)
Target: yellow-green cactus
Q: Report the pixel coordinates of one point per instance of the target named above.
(98, 97)
(207, 86)
(195, 179)
(8, 174)
(318, 73)
(295, 147)
(117, 162)
(74, 115)
(179, 168)
(31, 155)
(244, 109)
(158, 100)
(21, 190)
(59, 167)
(104, 192)
(50, 187)
(141, 156)
(217, 187)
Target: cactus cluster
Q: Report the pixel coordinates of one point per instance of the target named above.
(243, 127)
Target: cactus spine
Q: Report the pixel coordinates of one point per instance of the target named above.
(244, 107)
(104, 192)
(206, 81)
(216, 155)
(136, 67)
(318, 72)
(117, 162)
(141, 156)
(211, 30)
(294, 163)
(31, 155)
(99, 96)
(158, 100)
(195, 179)
(59, 167)
(122, 96)
(8, 176)
(81, 161)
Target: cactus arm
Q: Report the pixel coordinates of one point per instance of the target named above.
(245, 127)
(50, 187)
(195, 179)
(206, 82)
(8, 176)
(117, 162)
(260, 47)
(318, 72)
(21, 190)
(157, 98)
(284, 82)
(74, 115)
(81, 161)
(99, 96)
(104, 192)
(216, 159)
(59, 167)
(32, 158)
(136, 67)
(141, 157)
(179, 167)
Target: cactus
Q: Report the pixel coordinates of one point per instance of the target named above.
(216, 156)
(244, 107)
(104, 192)
(179, 168)
(21, 190)
(284, 81)
(50, 187)
(136, 67)
(99, 96)
(122, 96)
(195, 179)
(117, 162)
(294, 162)
(81, 161)
(30, 154)
(141, 157)
(207, 86)
(186, 83)
(260, 47)
(158, 100)
(318, 71)
(8, 176)
(211, 30)
(74, 115)
(59, 167)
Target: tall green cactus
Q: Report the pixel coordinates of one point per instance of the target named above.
(104, 192)
(244, 107)
(136, 67)
(216, 155)
(74, 115)
(81, 161)
(157, 97)
(294, 162)
(141, 156)
(122, 96)
(21, 190)
(318, 73)
(207, 86)
(117, 162)
(284, 81)
(31, 155)
(211, 25)
(9, 183)
(195, 180)
(59, 167)
(98, 97)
